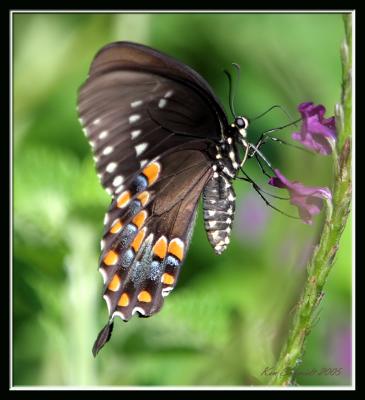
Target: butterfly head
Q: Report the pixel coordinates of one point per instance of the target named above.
(241, 124)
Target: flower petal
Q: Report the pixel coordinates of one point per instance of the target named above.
(317, 133)
(309, 200)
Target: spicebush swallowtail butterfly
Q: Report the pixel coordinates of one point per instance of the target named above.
(160, 140)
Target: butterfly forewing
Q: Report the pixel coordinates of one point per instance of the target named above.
(132, 117)
(136, 57)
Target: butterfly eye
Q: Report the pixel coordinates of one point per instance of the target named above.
(241, 122)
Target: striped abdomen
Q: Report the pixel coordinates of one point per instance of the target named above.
(219, 205)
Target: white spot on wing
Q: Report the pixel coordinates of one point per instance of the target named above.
(136, 103)
(169, 93)
(106, 219)
(86, 133)
(118, 314)
(211, 213)
(108, 150)
(103, 274)
(143, 163)
(107, 300)
(166, 291)
(135, 134)
(118, 180)
(138, 309)
(140, 148)
(102, 245)
(103, 134)
(212, 223)
(162, 103)
(134, 118)
(109, 191)
(96, 121)
(111, 167)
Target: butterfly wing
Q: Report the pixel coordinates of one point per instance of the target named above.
(147, 233)
(132, 110)
(153, 124)
(133, 56)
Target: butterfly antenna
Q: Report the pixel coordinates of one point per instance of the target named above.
(273, 108)
(231, 107)
(232, 88)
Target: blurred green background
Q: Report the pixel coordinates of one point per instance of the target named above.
(228, 316)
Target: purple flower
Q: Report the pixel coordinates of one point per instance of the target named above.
(317, 133)
(340, 348)
(252, 219)
(309, 200)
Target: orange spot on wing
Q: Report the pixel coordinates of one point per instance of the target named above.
(114, 283)
(139, 219)
(124, 300)
(116, 227)
(143, 198)
(176, 248)
(136, 244)
(145, 297)
(123, 199)
(160, 247)
(111, 258)
(152, 172)
(168, 279)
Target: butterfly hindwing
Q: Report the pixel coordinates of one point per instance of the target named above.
(147, 233)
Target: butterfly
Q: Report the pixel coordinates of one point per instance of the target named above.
(160, 140)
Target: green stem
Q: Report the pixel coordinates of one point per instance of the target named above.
(335, 221)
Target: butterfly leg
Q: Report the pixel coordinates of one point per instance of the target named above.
(260, 193)
(265, 138)
(262, 167)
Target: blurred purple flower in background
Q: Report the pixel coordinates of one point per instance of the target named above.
(309, 200)
(340, 348)
(317, 133)
(252, 218)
